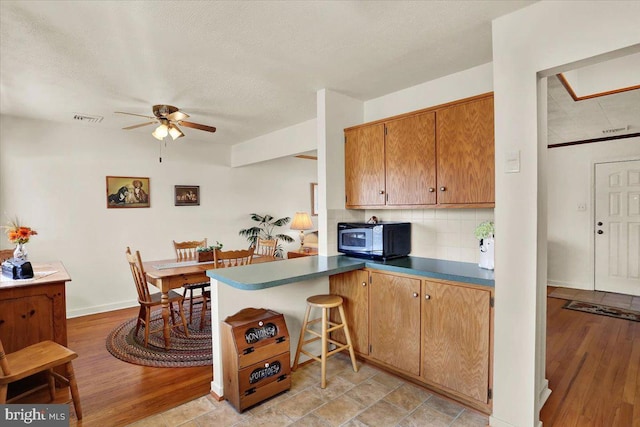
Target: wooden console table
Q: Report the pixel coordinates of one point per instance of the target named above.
(34, 310)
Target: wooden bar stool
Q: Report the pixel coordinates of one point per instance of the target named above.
(325, 302)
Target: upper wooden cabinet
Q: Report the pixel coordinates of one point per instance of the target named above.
(442, 156)
(465, 152)
(364, 166)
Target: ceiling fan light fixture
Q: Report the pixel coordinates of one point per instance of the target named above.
(156, 135)
(162, 130)
(175, 132)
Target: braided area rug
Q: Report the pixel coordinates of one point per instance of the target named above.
(184, 352)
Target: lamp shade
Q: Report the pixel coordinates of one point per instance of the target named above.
(301, 221)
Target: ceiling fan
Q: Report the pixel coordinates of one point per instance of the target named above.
(168, 117)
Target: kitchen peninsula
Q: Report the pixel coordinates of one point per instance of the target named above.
(429, 301)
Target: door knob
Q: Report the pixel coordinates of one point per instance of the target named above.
(600, 232)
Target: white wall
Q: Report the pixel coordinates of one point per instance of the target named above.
(570, 230)
(53, 177)
(335, 112)
(289, 141)
(463, 84)
(542, 38)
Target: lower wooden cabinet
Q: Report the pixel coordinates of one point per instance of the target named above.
(456, 325)
(353, 287)
(394, 318)
(434, 332)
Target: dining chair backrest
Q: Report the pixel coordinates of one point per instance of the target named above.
(139, 276)
(4, 363)
(266, 247)
(223, 259)
(5, 254)
(186, 251)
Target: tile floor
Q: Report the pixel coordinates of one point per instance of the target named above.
(610, 299)
(369, 397)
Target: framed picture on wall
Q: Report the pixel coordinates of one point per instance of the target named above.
(128, 192)
(187, 195)
(314, 198)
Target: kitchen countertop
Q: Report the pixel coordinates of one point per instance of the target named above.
(270, 274)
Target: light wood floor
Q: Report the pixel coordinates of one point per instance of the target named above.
(116, 393)
(593, 367)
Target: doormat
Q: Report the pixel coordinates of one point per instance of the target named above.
(618, 313)
(184, 352)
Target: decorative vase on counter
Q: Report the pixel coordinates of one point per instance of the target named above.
(486, 253)
(20, 252)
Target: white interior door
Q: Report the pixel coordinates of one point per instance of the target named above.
(617, 227)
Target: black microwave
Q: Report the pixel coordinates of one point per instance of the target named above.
(381, 241)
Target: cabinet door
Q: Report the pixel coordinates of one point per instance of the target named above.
(353, 287)
(25, 321)
(394, 310)
(364, 166)
(465, 153)
(410, 159)
(455, 338)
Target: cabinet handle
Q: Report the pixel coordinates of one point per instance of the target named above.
(415, 295)
(364, 284)
(427, 296)
(266, 365)
(260, 323)
(431, 189)
(381, 192)
(600, 231)
(443, 188)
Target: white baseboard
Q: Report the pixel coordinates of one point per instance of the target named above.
(565, 284)
(101, 308)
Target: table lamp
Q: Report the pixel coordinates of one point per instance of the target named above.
(301, 221)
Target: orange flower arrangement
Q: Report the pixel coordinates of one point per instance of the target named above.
(17, 233)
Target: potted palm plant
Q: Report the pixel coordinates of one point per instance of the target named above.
(266, 229)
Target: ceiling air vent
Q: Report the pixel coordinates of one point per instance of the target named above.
(87, 118)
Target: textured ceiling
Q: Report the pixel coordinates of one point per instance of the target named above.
(569, 120)
(247, 68)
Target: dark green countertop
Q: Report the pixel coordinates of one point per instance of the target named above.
(277, 273)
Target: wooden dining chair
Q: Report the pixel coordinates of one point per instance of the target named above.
(186, 251)
(224, 259)
(40, 357)
(5, 254)
(266, 247)
(149, 301)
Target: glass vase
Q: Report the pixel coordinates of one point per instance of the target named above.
(20, 252)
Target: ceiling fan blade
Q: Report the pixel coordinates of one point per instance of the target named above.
(140, 125)
(138, 115)
(197, 126)
(176, 116)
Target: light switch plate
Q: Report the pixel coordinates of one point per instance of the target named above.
(512, 162)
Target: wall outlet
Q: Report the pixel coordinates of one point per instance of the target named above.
(582, 207)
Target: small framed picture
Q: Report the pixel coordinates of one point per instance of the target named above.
(314, 199)
(187, 195)
(128, 192)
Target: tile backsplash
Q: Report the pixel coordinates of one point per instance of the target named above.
(435, 233)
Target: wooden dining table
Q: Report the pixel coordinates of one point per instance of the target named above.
(170, 274)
